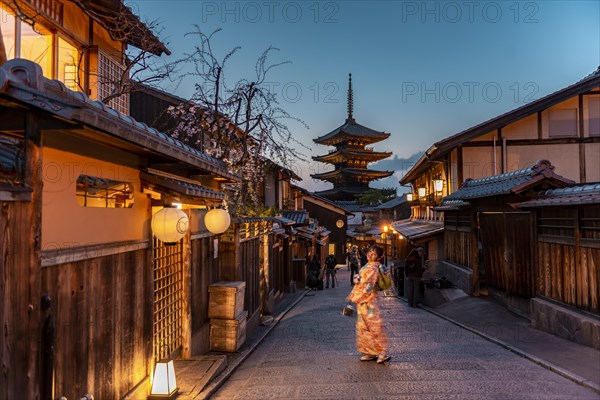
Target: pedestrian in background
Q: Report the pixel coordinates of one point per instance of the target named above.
(371, 339)
(314, 270)
(330, 263)
(413, 269)
(354, 260)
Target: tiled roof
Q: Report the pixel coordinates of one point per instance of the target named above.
(352, 171)
(180, 186)
(353, 206)
(298, 216)
(572, 195)
(351, 128)
(511, 182)
(395, 202)
(417, 229)
(75, 107)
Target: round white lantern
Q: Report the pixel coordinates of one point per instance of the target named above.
(217, 220)
(170, 225)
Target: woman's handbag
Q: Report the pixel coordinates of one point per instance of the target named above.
(348, 310)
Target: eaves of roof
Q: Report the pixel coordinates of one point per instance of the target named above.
(22, 81)
(122, 24)
(512, 182)
(439, 149)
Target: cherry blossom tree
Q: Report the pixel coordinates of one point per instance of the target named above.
(241, 124)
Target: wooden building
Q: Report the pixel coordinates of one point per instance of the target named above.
(488, 244)
(350, 158)
(79, 183)
(330, 216)
(81, 44)
(566, 262)
(563, 127)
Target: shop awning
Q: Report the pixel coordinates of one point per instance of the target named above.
(417, 229)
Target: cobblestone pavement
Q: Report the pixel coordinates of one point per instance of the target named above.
(311, 354)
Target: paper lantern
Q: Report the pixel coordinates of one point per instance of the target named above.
(409, 197)
(438, 184)
(170, 225)
(217, 220)
(422, 192)
(164, 383)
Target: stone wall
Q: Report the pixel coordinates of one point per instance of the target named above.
(461, 277)
(565, 322)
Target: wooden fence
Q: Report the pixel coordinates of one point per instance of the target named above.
(568, 256)
(102, 311)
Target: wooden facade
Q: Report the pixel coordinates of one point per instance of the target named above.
(567, 254)
(93, 267)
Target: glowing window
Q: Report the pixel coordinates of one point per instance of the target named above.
(36, 45)
(68, 64)
(105, 193)
(8, 27)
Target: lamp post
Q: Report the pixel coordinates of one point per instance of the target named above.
(385, 237)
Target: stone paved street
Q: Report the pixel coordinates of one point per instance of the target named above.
(311, 355)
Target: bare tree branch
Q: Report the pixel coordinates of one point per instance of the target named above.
(259, 123)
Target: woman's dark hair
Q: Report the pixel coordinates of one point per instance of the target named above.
(377, 249)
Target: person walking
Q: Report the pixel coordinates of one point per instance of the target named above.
(371, 338)
(354, 260)
(413, 269)
(330, 263)
(313, 280)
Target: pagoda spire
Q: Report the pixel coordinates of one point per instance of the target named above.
(350, 98)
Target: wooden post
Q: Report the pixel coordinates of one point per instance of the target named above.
(475, 255)
(3, 56)
(186, 298)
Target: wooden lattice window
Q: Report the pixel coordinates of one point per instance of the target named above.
(589, 223)
(556, 223)
(104, 193)
(110, 75)
(168, 306)
(12, 161)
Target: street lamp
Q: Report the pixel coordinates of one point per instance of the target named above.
(385, 237)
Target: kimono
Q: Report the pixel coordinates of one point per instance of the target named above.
(370, 336)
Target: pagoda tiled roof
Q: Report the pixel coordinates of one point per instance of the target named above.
(353, 154)
(342, 190)
(351, 129)
(352, 172)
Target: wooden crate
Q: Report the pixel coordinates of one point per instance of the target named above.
(226, 300)
(228, 334)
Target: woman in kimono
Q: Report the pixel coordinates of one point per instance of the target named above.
(371, 339)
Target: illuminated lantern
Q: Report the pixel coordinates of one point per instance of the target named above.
(164, 383)
(409, 197)
(422, 192)
(170, 225)
(217, 220)
(438, 184)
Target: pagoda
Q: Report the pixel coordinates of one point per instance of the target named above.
(350, 158)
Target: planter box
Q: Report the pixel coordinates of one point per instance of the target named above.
(228, 334)
(226, 300)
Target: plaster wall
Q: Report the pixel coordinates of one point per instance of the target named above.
(564, 157)
(526, 128)
(592, 159)
(67, 224)
(478, 162)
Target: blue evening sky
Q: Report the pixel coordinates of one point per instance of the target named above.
(422, 70)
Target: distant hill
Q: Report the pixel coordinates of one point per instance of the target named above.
(400, 166)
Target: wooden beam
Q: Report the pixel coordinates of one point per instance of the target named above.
(3, 57)
(459, 166)
(582, 177)
(539, 125)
